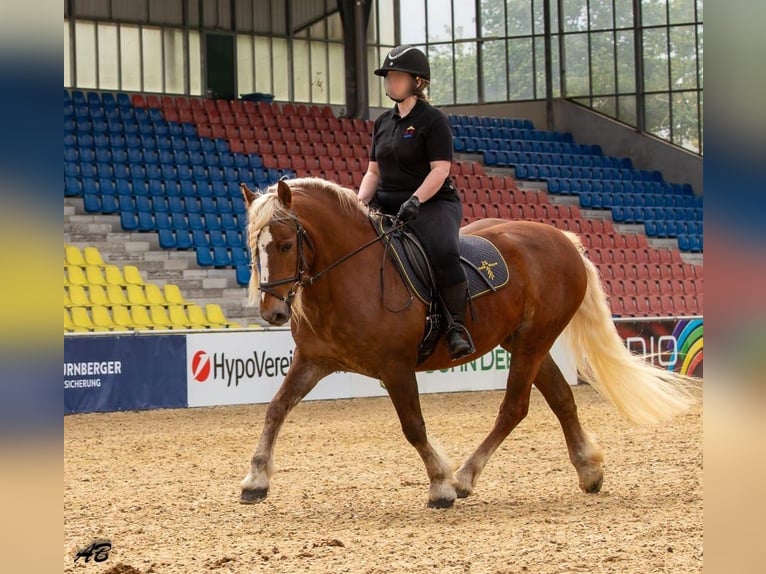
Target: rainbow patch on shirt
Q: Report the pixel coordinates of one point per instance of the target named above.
(409, 132)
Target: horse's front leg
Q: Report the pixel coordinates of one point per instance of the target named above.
(403, 391)
(301, 378)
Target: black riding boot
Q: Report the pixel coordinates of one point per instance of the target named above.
(459, 339)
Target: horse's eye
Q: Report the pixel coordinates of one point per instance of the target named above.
(285, 247)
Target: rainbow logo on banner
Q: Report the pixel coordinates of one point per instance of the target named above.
(689, 346)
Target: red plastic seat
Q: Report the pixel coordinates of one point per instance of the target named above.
(630, 307)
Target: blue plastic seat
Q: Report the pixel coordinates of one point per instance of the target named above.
(226, 159)
(163, 220)
(167, 239)
(239, 256)
(233, 238)
(178, 222)
(200, 238)
(146, 221)
(195, 221)
(183, 239)
(128, 220)
(212, 222)
(217, 238)
(204, 257)
(144, 205)
(72, 186)
(221, 257)
(243, 274)
(229, 222)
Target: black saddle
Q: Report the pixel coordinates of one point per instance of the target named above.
(484, 266)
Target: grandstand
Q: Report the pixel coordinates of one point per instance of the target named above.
(170, 169)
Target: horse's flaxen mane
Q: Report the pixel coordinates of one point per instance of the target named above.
(267, 207)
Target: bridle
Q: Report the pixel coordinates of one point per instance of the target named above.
(302, 278)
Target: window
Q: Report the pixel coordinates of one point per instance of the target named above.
(173, 51)
(262, 63)
(85, 38)
(67, 57)
(130, 58)
(245, 68)
(152, 59)
(108, 63)
(495, 71)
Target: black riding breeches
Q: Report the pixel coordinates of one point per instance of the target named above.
(437, 227)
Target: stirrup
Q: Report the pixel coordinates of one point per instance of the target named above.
(463, 346)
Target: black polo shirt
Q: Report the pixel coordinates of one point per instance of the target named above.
(404, 148)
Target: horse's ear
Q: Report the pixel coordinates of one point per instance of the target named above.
(284, 193)
(247, 195)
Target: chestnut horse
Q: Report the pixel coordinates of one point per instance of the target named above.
(317, 263)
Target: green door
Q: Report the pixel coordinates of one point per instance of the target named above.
(219, 58)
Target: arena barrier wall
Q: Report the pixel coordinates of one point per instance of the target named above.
(104, 372)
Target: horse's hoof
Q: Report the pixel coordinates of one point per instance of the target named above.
(441, 503)
(253, 496)
(593, 487)
(463, 492)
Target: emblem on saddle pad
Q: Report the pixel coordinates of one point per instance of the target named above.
(486, 266)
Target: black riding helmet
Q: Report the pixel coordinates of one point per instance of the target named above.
(406, 59)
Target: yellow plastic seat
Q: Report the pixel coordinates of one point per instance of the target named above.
(197, 316)
(101, 318)
(159, 317)
(97, 296)
(140, 317)
(216, 317)
(80, 318)
(136, 295)
(93, 256)
(121, 317)
(173, 295)
(78, 297)
(69, 326)
(73, 256)
(132, 275)
(154, 294)
(76, 276)
(94, 275)
(113, 275)
(116, 295)
(67, 300)
(178, 317)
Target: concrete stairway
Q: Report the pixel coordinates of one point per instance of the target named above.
(198, 285)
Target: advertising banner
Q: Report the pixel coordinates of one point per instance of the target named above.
(248, 367)
(674, 344)
(117, 373)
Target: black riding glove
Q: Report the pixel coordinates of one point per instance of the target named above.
(409, 210)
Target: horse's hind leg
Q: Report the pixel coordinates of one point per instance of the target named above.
(514, 407)
(403, 392)
(301, 378)
(584, 451)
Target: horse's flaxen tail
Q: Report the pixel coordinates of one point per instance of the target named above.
(643, 393)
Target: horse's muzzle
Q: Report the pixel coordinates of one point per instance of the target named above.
(277, 317)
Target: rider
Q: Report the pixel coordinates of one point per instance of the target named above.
(408, 176)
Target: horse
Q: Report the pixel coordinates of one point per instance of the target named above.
(318, 263)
